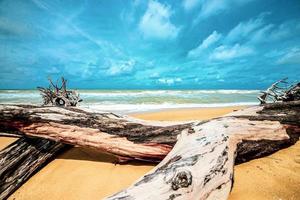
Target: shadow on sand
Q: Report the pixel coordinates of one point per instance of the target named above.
(86, 154)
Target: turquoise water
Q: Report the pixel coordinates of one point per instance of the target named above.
(125, 101)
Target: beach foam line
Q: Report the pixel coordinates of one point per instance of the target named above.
(162, 92)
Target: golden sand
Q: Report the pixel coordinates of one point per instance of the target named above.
(186, 114)
(5, 141)
(86, 174)
(80, 174)
(275, 177)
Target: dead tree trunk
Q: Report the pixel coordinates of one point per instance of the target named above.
(199, 166)
(105, 131)
(23, 158)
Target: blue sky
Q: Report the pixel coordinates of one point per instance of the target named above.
(122, 44)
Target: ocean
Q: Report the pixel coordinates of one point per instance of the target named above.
(130, 101)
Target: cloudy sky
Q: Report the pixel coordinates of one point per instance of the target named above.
(122, 44)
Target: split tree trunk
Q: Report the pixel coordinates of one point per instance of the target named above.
(199, 166)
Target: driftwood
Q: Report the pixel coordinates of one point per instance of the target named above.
(56, 95)
(281, 90)
(23, 158)
(199, 166)
(101, 131)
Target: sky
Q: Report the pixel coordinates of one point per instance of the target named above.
(123, 44)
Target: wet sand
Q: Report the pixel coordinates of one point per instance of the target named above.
(86, 174)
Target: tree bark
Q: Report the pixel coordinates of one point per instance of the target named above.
(199, 166)
(22, 159)
(126, 138)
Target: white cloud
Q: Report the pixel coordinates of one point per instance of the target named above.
(261, 34)
(244, 29)
(53, 70)
(121, 67)
(242, 39)
(285, 30)
(211, 7)
(156, 23)
(214, 7)
(169, 81)
(256, 30)
(190, 4)
(230, 52)
(154, 75)
(210, 40)
(291, 57)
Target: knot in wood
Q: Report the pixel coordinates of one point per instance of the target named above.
(181, 179)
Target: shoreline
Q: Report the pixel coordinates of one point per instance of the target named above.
(187, 106)
(140, 101)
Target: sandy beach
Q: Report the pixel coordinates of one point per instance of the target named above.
(82, 173)
(98, 93)
(186, 114)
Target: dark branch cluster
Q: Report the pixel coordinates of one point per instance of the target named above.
(59, 95)
(281, 91)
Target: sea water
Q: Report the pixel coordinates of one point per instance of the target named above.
(128, 101)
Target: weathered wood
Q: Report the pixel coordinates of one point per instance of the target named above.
(104, 132)
(281, 90)
(139, 140)
(199, 166)
(22, 159)
(59, 95)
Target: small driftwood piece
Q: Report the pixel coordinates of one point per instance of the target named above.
(280, 91)
(200, 166)
(56, 95)
(22, 159)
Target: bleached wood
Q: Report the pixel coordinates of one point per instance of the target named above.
(200, 166)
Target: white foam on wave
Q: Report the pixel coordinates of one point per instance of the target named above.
(20, 96)
(117, 93)
(127, 101)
